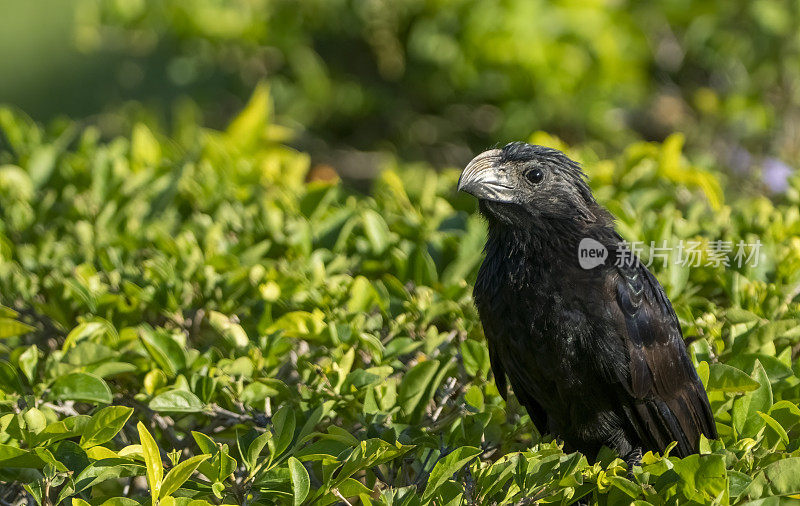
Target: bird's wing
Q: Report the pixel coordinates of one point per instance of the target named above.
(665, 399)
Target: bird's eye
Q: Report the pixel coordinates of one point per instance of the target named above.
(535, 176)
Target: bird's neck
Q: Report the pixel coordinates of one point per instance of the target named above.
(540, 249)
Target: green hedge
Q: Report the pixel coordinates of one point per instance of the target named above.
(187, 320)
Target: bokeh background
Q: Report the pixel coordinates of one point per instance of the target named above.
(430, 81)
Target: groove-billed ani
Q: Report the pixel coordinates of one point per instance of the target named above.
(595, 354)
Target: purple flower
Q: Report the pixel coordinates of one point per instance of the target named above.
(740, 160)
(776, 175)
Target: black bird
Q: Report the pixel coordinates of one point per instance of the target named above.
(595, 353)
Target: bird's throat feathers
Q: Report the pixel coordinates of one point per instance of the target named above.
(547, 245)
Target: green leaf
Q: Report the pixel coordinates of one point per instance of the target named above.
(255, 448)
(227, 464)
(81, 386)
(474, 397)
(313, 419)
(702, 477)
(448, 466)
(351, 488)
(27, 362)
(54, 432)
(362, 296)
(82, 331)
(367, 454)
(104, 425)
(300, 480)
(747, 420)
(205, 443)
(725, 378)
(325, 449)
(776, 370)
(145, 149)
(106, 469)
(167, 353)
(630, 488)
(376, 230)
(785, 413)
(784, 476)
(41, 164)
(739, 315)
(108, 369)
(179, 474)
(299, 324)
(12, 328)
(87, 353)
(415, 385)
(176, 401)
(10, 381)
(422, 268)
(476, 357)
(780, 478)
(776, 427)
(152, 461)
(283, 423)
(704, 373)
(119, 501)
(738, 483)
(11, 456)
(227, 329)
(470, 251)
(250, 126)
(35, 420)
(71, 455)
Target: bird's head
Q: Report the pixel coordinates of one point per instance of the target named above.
(525, 185)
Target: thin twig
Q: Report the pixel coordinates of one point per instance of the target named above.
(222, 412)
(341, 497)
(126, 490)
(197, 319)
(65, 408)
(449, 388)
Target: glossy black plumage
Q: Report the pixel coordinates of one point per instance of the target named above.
(595, 355)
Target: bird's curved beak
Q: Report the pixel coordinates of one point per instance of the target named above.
(483, 178)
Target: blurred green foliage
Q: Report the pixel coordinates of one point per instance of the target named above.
(439, 80)
(186, 320)
(428, 79)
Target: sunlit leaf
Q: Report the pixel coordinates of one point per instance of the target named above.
(300, 480)
(447, 466)
(83, 387)
(104, 425)
(179, 474)
(176, 401)
(152, 461)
